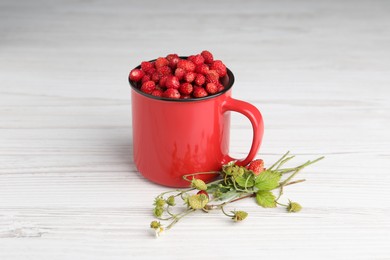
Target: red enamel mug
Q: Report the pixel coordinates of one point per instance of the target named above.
(175, 137)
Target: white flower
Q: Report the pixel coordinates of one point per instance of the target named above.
(158, 231)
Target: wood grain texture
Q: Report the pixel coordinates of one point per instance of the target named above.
(318, 71)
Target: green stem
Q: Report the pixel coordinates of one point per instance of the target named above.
(281, 204)
(170, 213)
(294, 182)
(299, 168)
(171, 191)
(278, 161)
(283, 162)
(177, 218)
(217, 206)
(199, 173)
(234, 184)
(223, 211)
(280, 194)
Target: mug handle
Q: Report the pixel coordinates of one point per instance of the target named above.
(256, 119)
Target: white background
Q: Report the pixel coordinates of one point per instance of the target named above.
(317, 70)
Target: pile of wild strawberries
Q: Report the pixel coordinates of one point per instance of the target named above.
(174, 77)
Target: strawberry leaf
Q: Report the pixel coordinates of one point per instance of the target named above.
(246, 180)
(266, 199)
(267, 180)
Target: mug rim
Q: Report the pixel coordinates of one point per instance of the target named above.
(229, 75)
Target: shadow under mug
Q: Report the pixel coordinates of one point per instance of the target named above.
(175, 137)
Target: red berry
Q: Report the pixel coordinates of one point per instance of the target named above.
(199, 92)
(219, 67)
(202, 69)
(185, 88)
(171, 93)
(148, 87)
(156, 77)
(179, 73)
(212, 76)
(173, 59)
(173, 77)
(220, 87)
(160, 62)
(189, 76)
(157, 93)
(196, 59)
(200, 79)
(162, 82)
(146, 78)
(257, 166)
(211, 88)
(187, 65)
(203, 192)
(136, 75)
(164, 70)
(172, 82)
(151, 71)
(146, 66)
(208, 57)
(190, 57)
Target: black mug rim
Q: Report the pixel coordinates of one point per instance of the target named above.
(230, 82)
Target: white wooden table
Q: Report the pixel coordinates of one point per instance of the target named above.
(318, 71)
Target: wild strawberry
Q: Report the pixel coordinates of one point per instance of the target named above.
(185, 96)
(160, 62)
(146, 66)
(179, 73)
(189, 76)
(196, 59)
(185, 89)
(220, 87)
(219, 67)
(151, 71)
(172, 82)
(164, 70)
(171, 93)
(162, 81)
(156, 77)
(187, 65)
(157, 93)
(146, 78)
(212, 76)
(208, 57)
(200, 79)
(257, 166)
(173, 59)
(199, 92)
(148, 87)
(203, 192)
(136, 75)
(211, 88)
(202, 69)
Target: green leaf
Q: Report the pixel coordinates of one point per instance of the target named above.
(266, 199)
(227, 195)
(247, 180)
(212, 188)
(267, 180)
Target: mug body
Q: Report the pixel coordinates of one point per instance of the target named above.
(172, 138)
